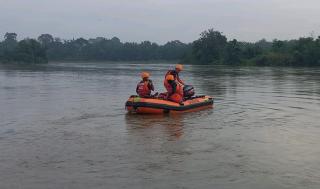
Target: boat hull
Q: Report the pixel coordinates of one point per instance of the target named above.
(136, 104)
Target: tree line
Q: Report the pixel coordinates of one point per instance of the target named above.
(25, 51)
(46, 47)
(212, 47)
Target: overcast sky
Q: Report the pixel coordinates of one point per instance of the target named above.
(161, 20)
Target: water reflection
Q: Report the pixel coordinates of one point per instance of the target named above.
(170, 125)
(215, 80)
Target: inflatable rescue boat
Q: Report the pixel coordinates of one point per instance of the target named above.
(136, 104)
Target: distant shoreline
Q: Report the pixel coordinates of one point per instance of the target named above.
(152, 62)
(211, 48)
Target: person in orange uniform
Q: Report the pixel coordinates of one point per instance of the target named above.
(174, 88)
(175, 74)
(145, 86)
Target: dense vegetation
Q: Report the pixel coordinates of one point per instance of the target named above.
(98, 49)
(211, 48)
(27, 50)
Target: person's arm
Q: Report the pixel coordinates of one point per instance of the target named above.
(174, 86)
(180, 81)
(137, 88)
(151, 87)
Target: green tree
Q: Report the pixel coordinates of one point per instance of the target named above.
(30, 51)
(9, 47)
(46, 40)
(233, 53)
(210, 47)
(307, 52)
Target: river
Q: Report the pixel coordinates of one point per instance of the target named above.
(64, 125)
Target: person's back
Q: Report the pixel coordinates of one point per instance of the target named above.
(175, 74)
(174, 89)
(145, 86)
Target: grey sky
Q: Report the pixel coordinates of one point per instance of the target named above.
(161, 20)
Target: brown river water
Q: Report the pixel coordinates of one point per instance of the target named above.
(64, 125)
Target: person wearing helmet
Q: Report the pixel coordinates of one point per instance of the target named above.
(174, 88)
(145, 86)
(175, 74)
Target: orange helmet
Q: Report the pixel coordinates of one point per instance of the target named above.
(145, 75)
(169, 78)
(179, 67)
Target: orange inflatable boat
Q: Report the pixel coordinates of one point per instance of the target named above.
(136, 104)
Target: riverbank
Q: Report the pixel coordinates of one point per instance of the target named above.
(211, 48)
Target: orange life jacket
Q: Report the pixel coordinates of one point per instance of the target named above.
(165, 82)
(178, 95)
(143, 89)
(179, 88)
(175, 75)
(167, 86)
